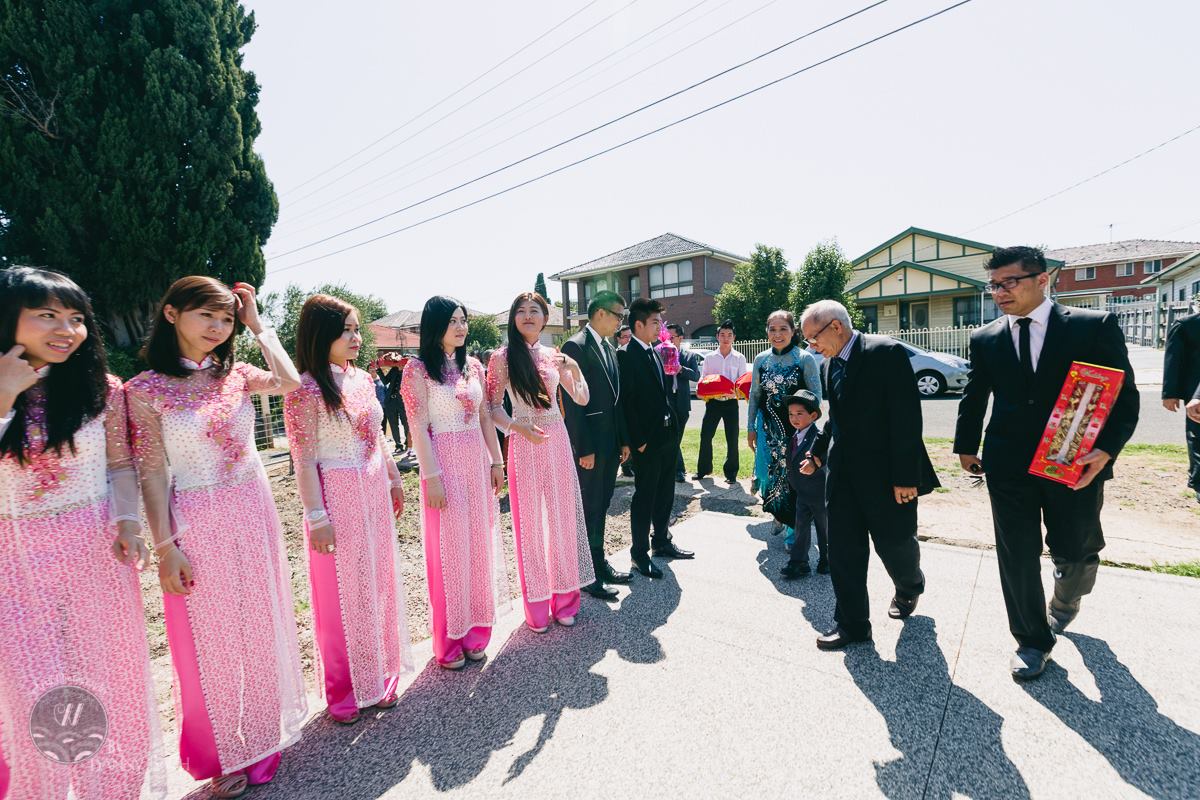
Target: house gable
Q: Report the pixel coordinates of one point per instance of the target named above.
(921, 246)
(909, 278)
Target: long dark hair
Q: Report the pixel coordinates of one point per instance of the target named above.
(435, 320)
(161, 350)
(522, 373)
(77, 389)
(322, 322)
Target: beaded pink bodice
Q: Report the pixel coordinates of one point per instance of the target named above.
(447, 407)
(348, 438)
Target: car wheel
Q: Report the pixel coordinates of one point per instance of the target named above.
(930, 384)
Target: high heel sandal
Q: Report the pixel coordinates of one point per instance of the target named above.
(226, 786)
(388, 701)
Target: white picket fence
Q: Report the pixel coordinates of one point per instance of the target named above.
(951, 339)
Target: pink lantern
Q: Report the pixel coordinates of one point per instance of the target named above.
(668, 352)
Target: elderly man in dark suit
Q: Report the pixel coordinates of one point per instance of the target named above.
(877, 467)
(1020, 362)
(595, 430)
(1181, 387)
(651, 426)
(681, 392)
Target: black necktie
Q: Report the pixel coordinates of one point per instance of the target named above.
(609, 361)
(658, 367)
(1026, 351)
(837, 371)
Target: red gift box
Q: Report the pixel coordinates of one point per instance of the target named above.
(742, 386)
(1079, 414)
(711, 386)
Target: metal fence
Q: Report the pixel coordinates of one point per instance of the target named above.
(270, 439)
(1146, 322)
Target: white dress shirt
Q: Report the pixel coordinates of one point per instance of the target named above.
(732, 366)
(1037, 330)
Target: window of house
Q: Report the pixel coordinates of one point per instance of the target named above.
(671, 280)
(990, 310)
(1195, 288)
(1152, 267)
(1085, 274)
(591, 287)
(870, 318)
(1125, 270)
(1182, 294)
(635, 287)
(966, 311)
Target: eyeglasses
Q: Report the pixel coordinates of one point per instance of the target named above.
(621, 315)
(1008, 284)
(813, 339)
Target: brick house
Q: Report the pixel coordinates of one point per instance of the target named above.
(1096, 274)
(685, 274)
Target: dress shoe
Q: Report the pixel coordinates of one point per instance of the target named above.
(681, 478)
(600, 591)
(606, 574)
(669, 550)
(1059, 621)
(837, 638)
(1027, 663)
(647, 568)
(902, 607)
(823, 566)
(698, 477)
(792, 571)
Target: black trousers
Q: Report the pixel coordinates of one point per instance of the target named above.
(393, 414)
(810, 511)
(653, 495)
(1193, 448)
(596, 490)
(716, 411)
(1020, 504)
(863, 511)
(680, 467)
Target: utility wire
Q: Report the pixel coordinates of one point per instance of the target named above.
(455, 93)
(620, 145)
(601, 126)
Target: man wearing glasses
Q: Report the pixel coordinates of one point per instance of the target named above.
(596, 430)
(877, 467)
(1020, 361)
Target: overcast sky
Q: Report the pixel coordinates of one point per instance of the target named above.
(946, 126)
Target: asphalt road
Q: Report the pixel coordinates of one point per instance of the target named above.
(1156, 426)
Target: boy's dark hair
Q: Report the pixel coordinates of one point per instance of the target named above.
(805, 399)
(606, 300)
(641, 310)
(727, 325)
(1031, 259)
(676, 329)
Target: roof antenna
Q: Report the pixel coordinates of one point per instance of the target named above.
(1110, 233)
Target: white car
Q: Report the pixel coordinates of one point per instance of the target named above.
(937, 373)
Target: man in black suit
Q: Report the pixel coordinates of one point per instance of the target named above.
(595, 429)
(681, 392)
(1020, 361)
(652, 427)
(877, 467)
(1181, 382)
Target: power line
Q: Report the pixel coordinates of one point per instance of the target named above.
(456, 109)
(456, 92)
(1077, 184)
(424, 156)
(638, 138)
(578, 136)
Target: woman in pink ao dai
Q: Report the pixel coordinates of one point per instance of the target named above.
(548, 524)
(351, 491)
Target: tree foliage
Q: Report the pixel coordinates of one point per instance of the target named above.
(483, 334)
(759, 286)
(283, 311)
(824, 276)
(539, 286)
(126, 147)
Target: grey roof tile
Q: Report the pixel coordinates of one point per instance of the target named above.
(660, 247)
(1125, 250)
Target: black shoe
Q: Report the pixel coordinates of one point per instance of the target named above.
(837, 638)
(607, 574)
(823, 566)
(1027, 664)
(792, 571)
(731, 481)
(698, 477)
(600, 591)
(669, 550)
(647, 567)
(680, 478)
(902, 607)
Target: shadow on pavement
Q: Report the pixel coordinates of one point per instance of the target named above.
(453, 724)
(815, 591)
(1147, 749)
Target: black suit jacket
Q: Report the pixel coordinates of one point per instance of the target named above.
(1019, 412)
(874, 431)
(681, 386)
(1181, 362)
(645, 400)
(810, 487)
(598, 425)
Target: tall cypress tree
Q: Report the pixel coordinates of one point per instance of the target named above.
(539, 286)
(126, 147)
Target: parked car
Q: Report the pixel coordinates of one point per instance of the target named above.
(937, 373)
(700, 351)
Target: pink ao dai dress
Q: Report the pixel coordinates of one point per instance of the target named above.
(553, 556)
(344, 469)
(239, 685)
(71, 616)
(464, 560)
